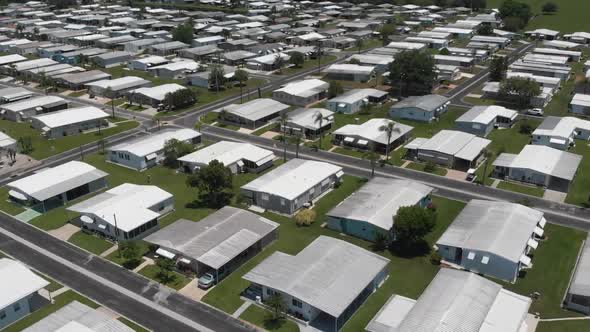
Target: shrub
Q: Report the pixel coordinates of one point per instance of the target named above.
(305, 217)
(430, 167)
(435, 258)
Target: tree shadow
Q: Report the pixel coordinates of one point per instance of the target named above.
(410, 250)
(209, 201)
(274, 324)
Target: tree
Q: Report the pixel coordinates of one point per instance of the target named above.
(279, 63)
(430, 167)
(26, 144)
(498, 68)
(174, 149)
(277, 304)
(62, 4)
(335, 89)
(318, 118)
(305, 217)
(179, 98)
(298, 135)
(525, 127)
(129, 250)
(214, 182)
(373, 158)
(216, 77)
(183, 33)
(520, 89)
(444, 51)
(241, 76)
(485, 30)
(389, 128)
(359, 43)
(514, 9)
(386, 31)
(550, 7)
(412, 223)
(165, 268)
(297, 59)
(108, 92)
(414, 71)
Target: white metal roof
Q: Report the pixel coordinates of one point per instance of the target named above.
(177, 65)
(391, 315)
(216, 239)
(159, 92)
(256, 109)
(57, 180)
(378, 201)
(18, 282)
(11, 58)
(580, 284)
(71, 116)
(31, 103)
(547, 160)
(144, 146)
(119, 83)
(129, 203)
(26, 65)
(563, 127)
(406, 45)
(458, 301)
(305, 88)
(355, 95)
(293, 178)
(349, 68)
(456, 143)
(500, 228)
(228, 153)
(78, 317)
(306, 117)
(487, 114)
(371, 130)
(581, 100)
(327, 274)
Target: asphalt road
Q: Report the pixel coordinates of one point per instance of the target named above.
(147, 313)
(558, 213)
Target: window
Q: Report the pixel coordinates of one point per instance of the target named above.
(16, 307)
(282, 201)
(264, 197)
(2, 314)
(297, 303)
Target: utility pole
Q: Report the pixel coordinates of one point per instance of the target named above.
(81, 152)
(117, 235)
(319, 55)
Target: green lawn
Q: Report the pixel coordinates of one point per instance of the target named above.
(523, 189)
(151, 272)
(53, 285)
(264, 129)
(397, 155)
(420, 167)
(8, 206)
(308, 64)
(564, 326)
(579, 192)
(350, 152)
(78, 93)
(479, 101)
(367, 45)
(143, 248)
(43, 148)
(553, 263)
(259, 317)
(571, 16)
(560, 102)
(209, 118)
(417, 272)
(90, 242)
(60, 301)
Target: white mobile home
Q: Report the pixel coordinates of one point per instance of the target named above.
(73, 121)
(302, 93)
(238, 157)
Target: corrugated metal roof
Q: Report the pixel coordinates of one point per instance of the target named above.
(18, 282)
(371, 130)
(500, 228)
(379, 199)
(216, 239)
(462, 301)
(328, 274)
(427, 103)
(456, 143)
(546, 160)
(306, 117)
(486, 114)
(293, 178)
(71, 116)
(57, 180)
(76, 316)
(227, 153)
(256, 109)
(581, 282)
(144, 146)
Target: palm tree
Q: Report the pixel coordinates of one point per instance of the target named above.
(372, 157)
(389, 128)
(318, 117)
(359, 45)
(279, 63)
(298, 137)
(283, 122)
(109, 93)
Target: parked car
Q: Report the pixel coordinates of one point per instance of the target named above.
(535, 111)
(471, 175)
(206, 281)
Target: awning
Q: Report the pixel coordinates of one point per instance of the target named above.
(165, 253)
(362, 142)
(349, 139)
(339, 174)
(526, 260)
(265, 160)
(151, 156)
(184, 261)
(341, 105)
(559, 141)
(45, 129)
(240, 163)
(87, 220)
(532, 243)
(542, 223)
(17, 195)
(539, 231)
(102, 226)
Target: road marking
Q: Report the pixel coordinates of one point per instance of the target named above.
(108, 283)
